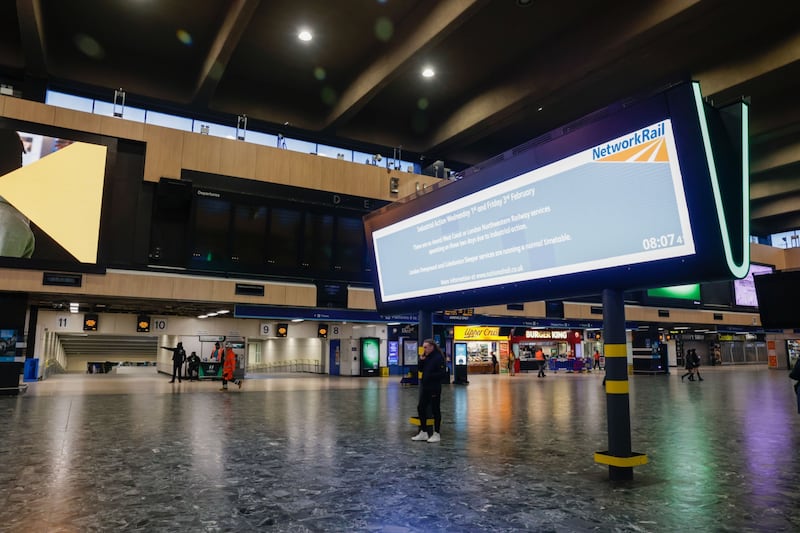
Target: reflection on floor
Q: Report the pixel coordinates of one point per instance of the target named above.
(292, 453)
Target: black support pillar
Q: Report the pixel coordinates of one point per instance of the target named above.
(619, 457)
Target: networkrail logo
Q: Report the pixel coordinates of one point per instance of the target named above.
(647, 145)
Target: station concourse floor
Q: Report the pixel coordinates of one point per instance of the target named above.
(92, 453)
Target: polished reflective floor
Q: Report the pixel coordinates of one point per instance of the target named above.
(293, 453)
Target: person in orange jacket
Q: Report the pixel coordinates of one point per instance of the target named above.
(228, 368)
(218, 354)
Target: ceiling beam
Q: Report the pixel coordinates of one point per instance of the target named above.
(549, 72)
(781, 206)
(226, 41)
(31, 32)
(740, 70)
(777, 156)
(444, 18)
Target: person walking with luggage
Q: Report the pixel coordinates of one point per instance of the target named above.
(433, 370)
(178, 357)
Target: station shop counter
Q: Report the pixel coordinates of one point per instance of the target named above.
(568, 365)
(480, 367)
(528, 365)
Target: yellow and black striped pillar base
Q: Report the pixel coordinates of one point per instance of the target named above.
(619, 457)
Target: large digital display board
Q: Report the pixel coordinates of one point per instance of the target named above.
(528, 228)
(51, 194)
(631, 200)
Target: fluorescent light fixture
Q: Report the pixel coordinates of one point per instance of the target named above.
(202, 316)
(223, 311)
(681, 327)
(211, 314)
(298, 320)
(393, 323)
(305, 35)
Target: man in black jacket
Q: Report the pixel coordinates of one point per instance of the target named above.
(178, 357)
(433, 370)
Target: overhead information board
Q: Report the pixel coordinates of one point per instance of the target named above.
(631, 200)
(528, 227)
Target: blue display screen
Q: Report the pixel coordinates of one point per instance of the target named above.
(639, 197)
(528, 227)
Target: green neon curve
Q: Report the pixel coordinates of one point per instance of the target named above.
(738, 269)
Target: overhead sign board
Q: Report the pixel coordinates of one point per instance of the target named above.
(632, 200)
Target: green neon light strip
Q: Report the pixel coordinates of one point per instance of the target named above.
(740, 269)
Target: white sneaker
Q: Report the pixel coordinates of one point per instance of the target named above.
(420, 436)
(434, 438)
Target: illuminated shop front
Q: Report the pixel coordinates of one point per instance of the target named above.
(482, 342)
(562, 347)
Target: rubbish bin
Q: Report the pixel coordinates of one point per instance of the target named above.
(31, 372)
(9, 377)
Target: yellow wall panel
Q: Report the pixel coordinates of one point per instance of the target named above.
(769, 255)
(30, 111)
(201, 152)
(360, 299)
(237, 158)
(301, 295)
(119, 127)
(275, 294)
(163, 156)
(76, 120)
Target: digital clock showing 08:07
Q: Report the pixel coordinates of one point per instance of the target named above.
(662, 241)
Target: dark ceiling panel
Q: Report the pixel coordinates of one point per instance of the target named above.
(505, 73)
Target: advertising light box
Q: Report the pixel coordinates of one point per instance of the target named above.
(648, 195)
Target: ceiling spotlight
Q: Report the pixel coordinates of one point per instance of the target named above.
(305, 35)
(428, 72)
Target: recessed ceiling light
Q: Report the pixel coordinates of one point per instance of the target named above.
(305, 35)
(297, 320)
(428, 72)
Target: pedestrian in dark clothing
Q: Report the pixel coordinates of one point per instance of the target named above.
(689, 365)
(696, 364)
(433, 370)
(178, 357)
(795, 374)
(194, 367)
(495, 364)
